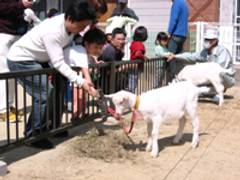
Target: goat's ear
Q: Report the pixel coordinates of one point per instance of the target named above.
(125, 99)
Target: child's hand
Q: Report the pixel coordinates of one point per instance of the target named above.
(88, 86)
(168, 55)
(93, 92)
(99, 62)
(171, 57)
(146, 58)
(169, 36)
(27, 3)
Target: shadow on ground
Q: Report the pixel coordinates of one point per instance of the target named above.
(162, 143)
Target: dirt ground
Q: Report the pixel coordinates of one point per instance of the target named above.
(88, 155)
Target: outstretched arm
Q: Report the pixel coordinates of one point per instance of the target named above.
(188, 57)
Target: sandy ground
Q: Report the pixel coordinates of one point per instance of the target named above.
(86, 155)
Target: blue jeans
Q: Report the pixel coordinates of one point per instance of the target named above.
(175, 46)
(228, 81)
(133, 81)
(36, 86)
(159, 73)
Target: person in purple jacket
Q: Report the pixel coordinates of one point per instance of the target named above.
(11, 28)
(177, 32)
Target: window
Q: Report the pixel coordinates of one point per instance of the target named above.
(238, 7)
(236, 54)
(237, 11)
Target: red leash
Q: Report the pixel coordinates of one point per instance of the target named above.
(135, 116)
(127, 130)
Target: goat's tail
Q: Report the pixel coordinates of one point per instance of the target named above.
(203, 89)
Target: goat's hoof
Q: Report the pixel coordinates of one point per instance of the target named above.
(195, 144)
(148, 149)
(154, 154)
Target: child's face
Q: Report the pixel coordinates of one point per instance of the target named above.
(163, 43)
(119, 41)
(94, 49)
(109, 38)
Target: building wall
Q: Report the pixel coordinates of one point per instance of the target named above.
(204, 10)
(156, 12)
(152, 13)
(227, 9)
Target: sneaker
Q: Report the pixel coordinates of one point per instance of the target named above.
(111, 121)
(101, 119)
(12, 116)
(216, 99)
(61, 134)
(41, 144)
(98, 120)
(14, 110)
(212, 92)
(69, 107)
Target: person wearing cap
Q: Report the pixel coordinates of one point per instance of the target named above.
(123, 10)
(212, 52)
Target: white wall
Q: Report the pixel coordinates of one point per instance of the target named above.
(226, 11)
(154, 14)
(226, 21)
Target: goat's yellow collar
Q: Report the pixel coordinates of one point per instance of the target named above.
(137, 103)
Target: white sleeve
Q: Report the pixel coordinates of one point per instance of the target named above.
(76, 56)
(55, 53)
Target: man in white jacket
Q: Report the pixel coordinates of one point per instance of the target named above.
(44, 44)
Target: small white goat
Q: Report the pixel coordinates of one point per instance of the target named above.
(159, 105)
(203, 74)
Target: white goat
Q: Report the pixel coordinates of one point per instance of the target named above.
(159, 105)
(203, 74)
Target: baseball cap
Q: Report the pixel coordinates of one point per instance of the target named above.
(211, 33)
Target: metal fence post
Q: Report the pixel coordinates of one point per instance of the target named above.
(60, 89)
(112, 75)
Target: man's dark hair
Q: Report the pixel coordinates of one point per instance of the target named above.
(161, 36)
(140, 34)
(79, 11)
(94, 36)
(52, 12)
(103, 7)
(118, 31)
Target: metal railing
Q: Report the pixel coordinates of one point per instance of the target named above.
(66, 104)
